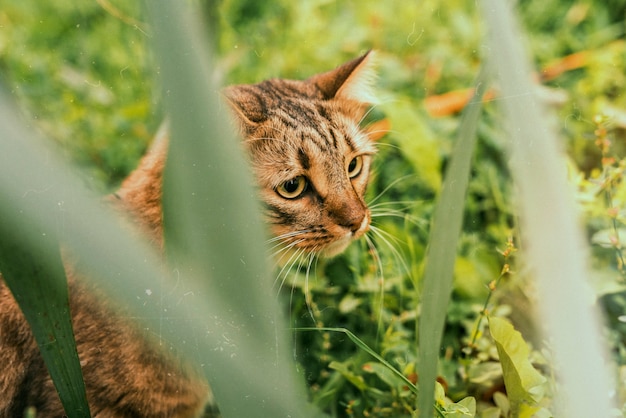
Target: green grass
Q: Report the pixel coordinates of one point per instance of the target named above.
(89, 80)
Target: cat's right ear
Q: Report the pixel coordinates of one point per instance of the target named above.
(247, 106)
(352, 80)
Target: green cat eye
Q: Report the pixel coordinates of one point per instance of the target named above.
(292, 188)
(355, 166)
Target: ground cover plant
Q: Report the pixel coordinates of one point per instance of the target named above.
(85, 73)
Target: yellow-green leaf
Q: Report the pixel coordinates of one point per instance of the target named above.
(348, 374)
(523, 382)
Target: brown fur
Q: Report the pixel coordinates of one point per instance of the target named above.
(307, 130)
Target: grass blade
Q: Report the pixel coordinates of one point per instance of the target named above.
(36, 277)
(445, 231)
(553, 242)
(214, 231)
(359, 343)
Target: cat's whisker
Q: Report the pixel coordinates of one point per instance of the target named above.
(285, 242)
(386, 144)
(373, 107)
(386, 189)
(381, 279)
(391, 213)
(387, 239)
(375, 256)
(284, 249)
(283, 238)
(287, 267)
(301, 259)
(406, 204)
(367, 113)
(312, 256)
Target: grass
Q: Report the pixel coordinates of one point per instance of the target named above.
(84, 72)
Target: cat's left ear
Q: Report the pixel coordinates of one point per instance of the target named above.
(352, 80)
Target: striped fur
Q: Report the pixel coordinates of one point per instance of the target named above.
(310, 129)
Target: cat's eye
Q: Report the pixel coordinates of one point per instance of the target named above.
(292, 188)
(355, 166)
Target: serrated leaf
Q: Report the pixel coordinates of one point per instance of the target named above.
(523, 382)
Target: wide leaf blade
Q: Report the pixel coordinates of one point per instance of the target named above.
(445, 231)
(31, 266)
(521, 379)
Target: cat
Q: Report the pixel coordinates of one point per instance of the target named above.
(311, 160)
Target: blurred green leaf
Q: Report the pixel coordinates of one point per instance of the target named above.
(523, 383)
(213, 232)
(554, 248)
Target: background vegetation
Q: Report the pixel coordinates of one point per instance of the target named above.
(84, 72)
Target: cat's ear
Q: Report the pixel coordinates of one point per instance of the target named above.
(246, 105)
(352, 80)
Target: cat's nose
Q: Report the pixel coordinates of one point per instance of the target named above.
(356, 224)
(353, 217)
(360, 226)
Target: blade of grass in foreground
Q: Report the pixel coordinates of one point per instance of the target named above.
(36, 277)
(444, 234)
(214, 234)
(553, 243)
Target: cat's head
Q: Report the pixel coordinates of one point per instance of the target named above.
(310, 157)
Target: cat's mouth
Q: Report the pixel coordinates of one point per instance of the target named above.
(338, 246)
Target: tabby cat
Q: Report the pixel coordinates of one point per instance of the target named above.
(311, 161)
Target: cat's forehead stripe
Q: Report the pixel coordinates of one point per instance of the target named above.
(303, 158)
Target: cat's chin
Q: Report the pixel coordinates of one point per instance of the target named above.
(336, 247)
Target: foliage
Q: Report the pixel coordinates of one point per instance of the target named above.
(523, 383)
(84, 72)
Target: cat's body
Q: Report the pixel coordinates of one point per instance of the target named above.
(311, 162)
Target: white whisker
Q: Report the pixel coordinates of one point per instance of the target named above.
(307, 294)
(301, 260)
(387, 239)
(381, 279)
(386, 189)
(405, 204)
(283, 248)
(284, 271)
(420, 223)
(286, 235)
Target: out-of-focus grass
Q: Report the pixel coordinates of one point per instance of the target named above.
(86, 77)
